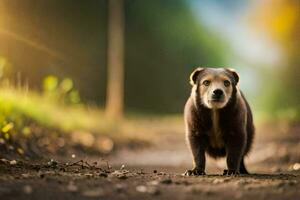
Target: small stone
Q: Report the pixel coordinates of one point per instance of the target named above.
(141, 188)
(27, 189)
(52, 163)
(89, 175)
(25, 175)
(166, 181)
(13, 162)
(296, 166)
(154, 182)
(20, 151)
(216, 181)
(120, 172)
(182, 182)
(103, 174)
(122, 177)
(3, 160)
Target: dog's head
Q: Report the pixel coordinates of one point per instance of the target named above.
(214, 86)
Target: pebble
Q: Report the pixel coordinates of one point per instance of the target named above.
(150, 190)
(141, 188)
(42, 175)
(166, 181)
(103, 174)
(27, 189)
(89, 175)
(13, 162)
(154, 182)
(4, 160)
(216, 181)
(122, 177)
(25, 175)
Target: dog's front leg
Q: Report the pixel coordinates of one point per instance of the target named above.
(235, 147)
(197, 146)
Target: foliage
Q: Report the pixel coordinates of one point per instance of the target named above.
(31, 123)
(61, 90)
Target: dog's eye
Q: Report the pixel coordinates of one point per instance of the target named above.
(227, 83)
(206, 82)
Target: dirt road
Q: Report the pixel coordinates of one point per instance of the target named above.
(155, 173)
(77, 182)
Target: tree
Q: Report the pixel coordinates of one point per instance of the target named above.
(115, 62)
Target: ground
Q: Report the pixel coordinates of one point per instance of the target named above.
(156, 172)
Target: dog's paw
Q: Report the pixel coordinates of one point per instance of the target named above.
(231, 172)
(194, 172)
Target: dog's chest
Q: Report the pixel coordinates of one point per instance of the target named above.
(215, 133)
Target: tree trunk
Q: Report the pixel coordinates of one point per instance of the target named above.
(115, 63)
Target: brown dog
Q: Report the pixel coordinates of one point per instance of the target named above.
(218, 120)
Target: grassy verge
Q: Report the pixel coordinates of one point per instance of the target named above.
(30, 116)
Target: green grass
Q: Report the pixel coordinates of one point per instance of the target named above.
(16, 103)
(19, 108)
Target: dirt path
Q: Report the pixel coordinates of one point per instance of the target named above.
(77, 182)
(156, 173)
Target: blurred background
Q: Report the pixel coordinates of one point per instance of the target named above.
(103, 68)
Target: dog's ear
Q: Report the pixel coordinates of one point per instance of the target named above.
(194, 75)
(234, 74)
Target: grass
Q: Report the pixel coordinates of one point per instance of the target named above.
(20, 107)
(16, 103)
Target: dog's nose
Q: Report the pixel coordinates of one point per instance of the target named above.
(218, 92)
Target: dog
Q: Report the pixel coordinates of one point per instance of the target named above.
(218, 120)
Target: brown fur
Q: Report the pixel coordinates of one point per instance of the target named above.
(226, 131)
